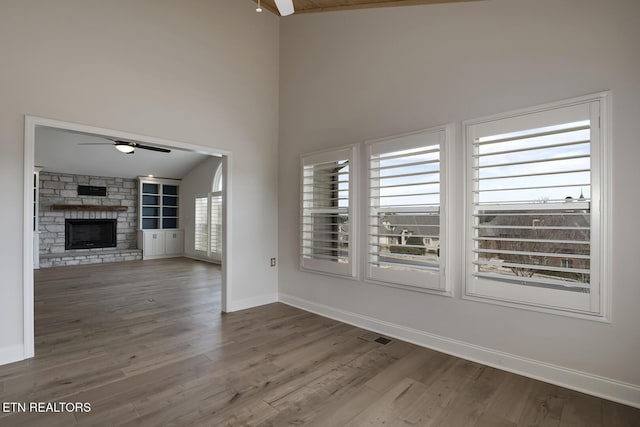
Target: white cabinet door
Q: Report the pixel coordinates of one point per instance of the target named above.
(157, 245)
(173, 242)
(161, 243)
(153, 243)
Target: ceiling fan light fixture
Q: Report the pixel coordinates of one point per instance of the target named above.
(125, 148)
(259, 8)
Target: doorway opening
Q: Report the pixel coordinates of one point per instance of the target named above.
(143, 186)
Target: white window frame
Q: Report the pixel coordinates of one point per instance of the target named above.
(435, 281)
(594, 305)
(348, 269)
(217, 180)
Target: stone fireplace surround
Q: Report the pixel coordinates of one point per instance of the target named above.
(62, 189)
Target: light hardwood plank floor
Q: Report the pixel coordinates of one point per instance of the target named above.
(145, 344)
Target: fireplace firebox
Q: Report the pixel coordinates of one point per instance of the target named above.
(90, 233)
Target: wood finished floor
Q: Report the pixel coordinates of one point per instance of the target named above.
(145, 344)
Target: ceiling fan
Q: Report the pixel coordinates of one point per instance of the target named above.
(127, 147)
(285, 7)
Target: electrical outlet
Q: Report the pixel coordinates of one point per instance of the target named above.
(273, 262)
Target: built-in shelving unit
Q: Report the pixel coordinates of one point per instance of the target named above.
(159, 202)
(149, 205)
(159, 235)
(169, 206)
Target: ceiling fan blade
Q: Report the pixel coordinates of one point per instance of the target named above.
(150, 147)
(285, 7)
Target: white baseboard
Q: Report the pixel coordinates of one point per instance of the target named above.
(11, 354)
(150, 257)
(243, 304)
(201, 258)
(628, 394)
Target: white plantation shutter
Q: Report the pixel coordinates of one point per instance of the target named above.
(534, 204)
(405, 227)
(215, 241)
(208, 224)
(201, 224)
(326, 241)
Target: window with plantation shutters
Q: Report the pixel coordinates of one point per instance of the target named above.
(535, 190)
(215, 231)
(406, 214)
(201, 224)
(326, 240)
(208, 225)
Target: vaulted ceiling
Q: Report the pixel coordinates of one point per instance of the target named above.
(307, 6)
(64, 151)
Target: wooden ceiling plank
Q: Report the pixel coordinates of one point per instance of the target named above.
(313, 6)
(304, 5)
(360, 4)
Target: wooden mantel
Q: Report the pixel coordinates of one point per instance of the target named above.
(93, 208)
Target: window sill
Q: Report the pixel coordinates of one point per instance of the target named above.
(440, 292)
(327, 273)
(540, 309)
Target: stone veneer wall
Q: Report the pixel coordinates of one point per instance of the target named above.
(57, 188)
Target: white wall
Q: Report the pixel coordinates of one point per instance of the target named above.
(197, 71)
(351, 76)
(197, 182)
